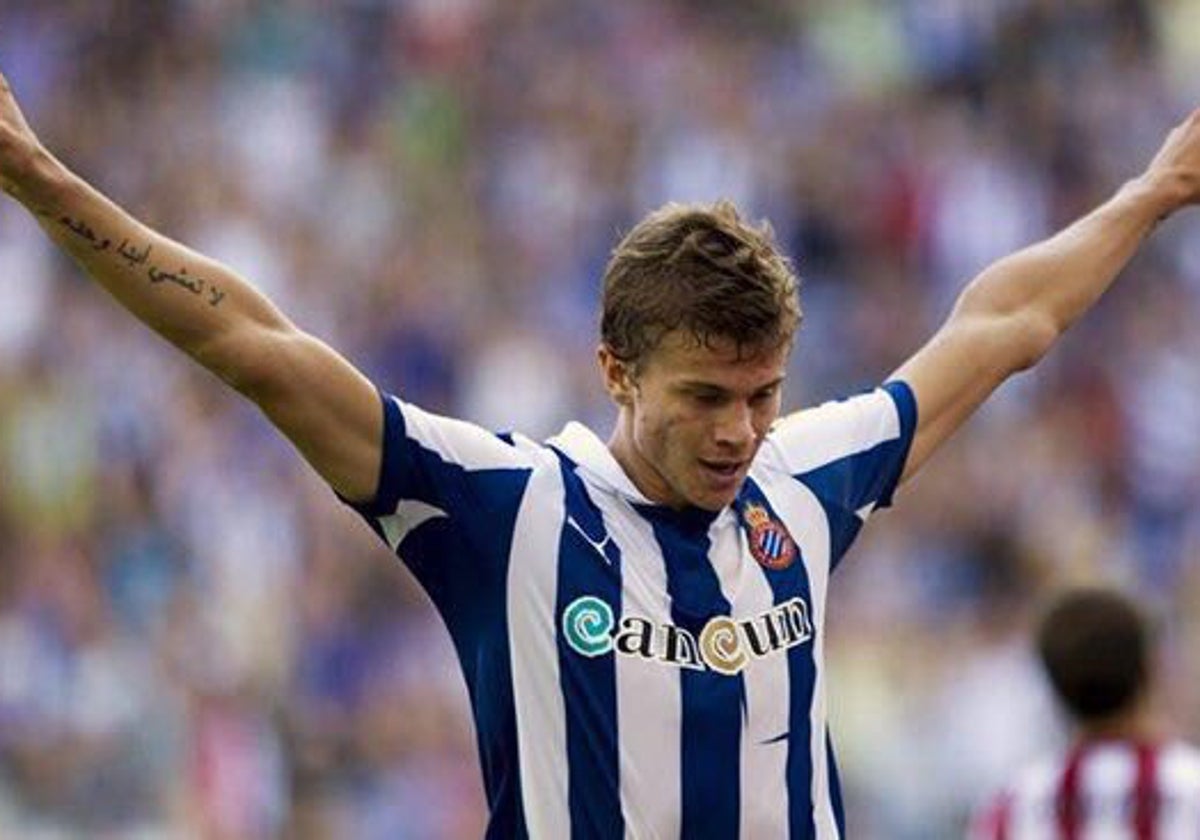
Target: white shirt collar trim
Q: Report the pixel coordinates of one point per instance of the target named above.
(585, 448)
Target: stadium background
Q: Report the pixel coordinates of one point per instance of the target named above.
(194, 635)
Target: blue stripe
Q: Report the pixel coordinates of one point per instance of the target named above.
(711, 702)
(906, 407)
(472, 602)
(844, 526)
(409, 470)
(392, 473)
(772, 545)
(859, 479)
(462, 563)
(870, 476)
(786, 584)
(835, 786)
(589, 684)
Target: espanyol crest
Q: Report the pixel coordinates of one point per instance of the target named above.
(770, 542)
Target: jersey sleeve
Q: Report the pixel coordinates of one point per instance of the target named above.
(850, 453)
(439, 475)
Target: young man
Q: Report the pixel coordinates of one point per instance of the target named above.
(1122, 777)
(640, 623)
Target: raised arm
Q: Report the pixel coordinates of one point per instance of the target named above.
(329, 410)
(1009, 316)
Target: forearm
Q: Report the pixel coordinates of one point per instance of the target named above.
(1010, 315)
(1053, 282)
(194, 302)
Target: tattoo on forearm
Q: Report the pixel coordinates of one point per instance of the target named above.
(195, 285)
(80, 229)
(135, 257)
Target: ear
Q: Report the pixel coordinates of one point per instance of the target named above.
(618, 379)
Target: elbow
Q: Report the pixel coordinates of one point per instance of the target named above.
(1020, 333)
(247, 360)
(1031, 337)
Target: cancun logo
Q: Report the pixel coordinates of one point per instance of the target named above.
(725, 645)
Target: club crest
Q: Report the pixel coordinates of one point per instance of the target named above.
(770, 542)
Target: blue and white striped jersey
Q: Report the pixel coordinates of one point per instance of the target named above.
(638, 671)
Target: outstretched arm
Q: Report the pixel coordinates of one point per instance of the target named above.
(328, 409)
(1009, 316)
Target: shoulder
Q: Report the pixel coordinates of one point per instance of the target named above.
(813, 437)
(849, 453)
(1179, 767)
(1033, 783)
(452, 465)
(459, 441)
(1039, 779)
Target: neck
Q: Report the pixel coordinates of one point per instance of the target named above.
(1138, 723)
(641, 472)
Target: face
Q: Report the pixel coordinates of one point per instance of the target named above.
(693, 417)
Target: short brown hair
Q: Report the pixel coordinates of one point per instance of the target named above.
(1095, 644)
(699, 268)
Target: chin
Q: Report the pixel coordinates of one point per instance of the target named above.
(714, 502)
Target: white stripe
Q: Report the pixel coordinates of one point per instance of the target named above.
(763, 793)
(459, 442)
(649, 706)
(596, 463)
(1032, 815)
(1179, 777)
(532, 639)
(409, 514)
(813, 437)
(805, 519)
(1108, 773)
(1179, 768)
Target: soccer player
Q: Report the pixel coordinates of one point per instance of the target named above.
(640, 621)
(1123, 777)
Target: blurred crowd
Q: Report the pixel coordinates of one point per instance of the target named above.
(198, 640)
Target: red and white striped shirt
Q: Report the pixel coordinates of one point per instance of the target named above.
(1101, 790)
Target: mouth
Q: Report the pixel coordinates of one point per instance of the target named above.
(722, 472)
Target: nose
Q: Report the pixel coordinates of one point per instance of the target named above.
(735, 428)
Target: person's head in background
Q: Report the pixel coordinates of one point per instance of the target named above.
(1097, 647)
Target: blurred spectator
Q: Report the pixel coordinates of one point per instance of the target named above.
(1125, 773)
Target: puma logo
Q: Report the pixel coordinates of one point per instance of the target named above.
(599, 546)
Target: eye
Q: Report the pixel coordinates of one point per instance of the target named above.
(766, 395)
(708, 398)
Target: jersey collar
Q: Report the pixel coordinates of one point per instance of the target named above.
(585, 448)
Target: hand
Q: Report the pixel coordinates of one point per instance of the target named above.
(1176, 167)
(19, 146)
